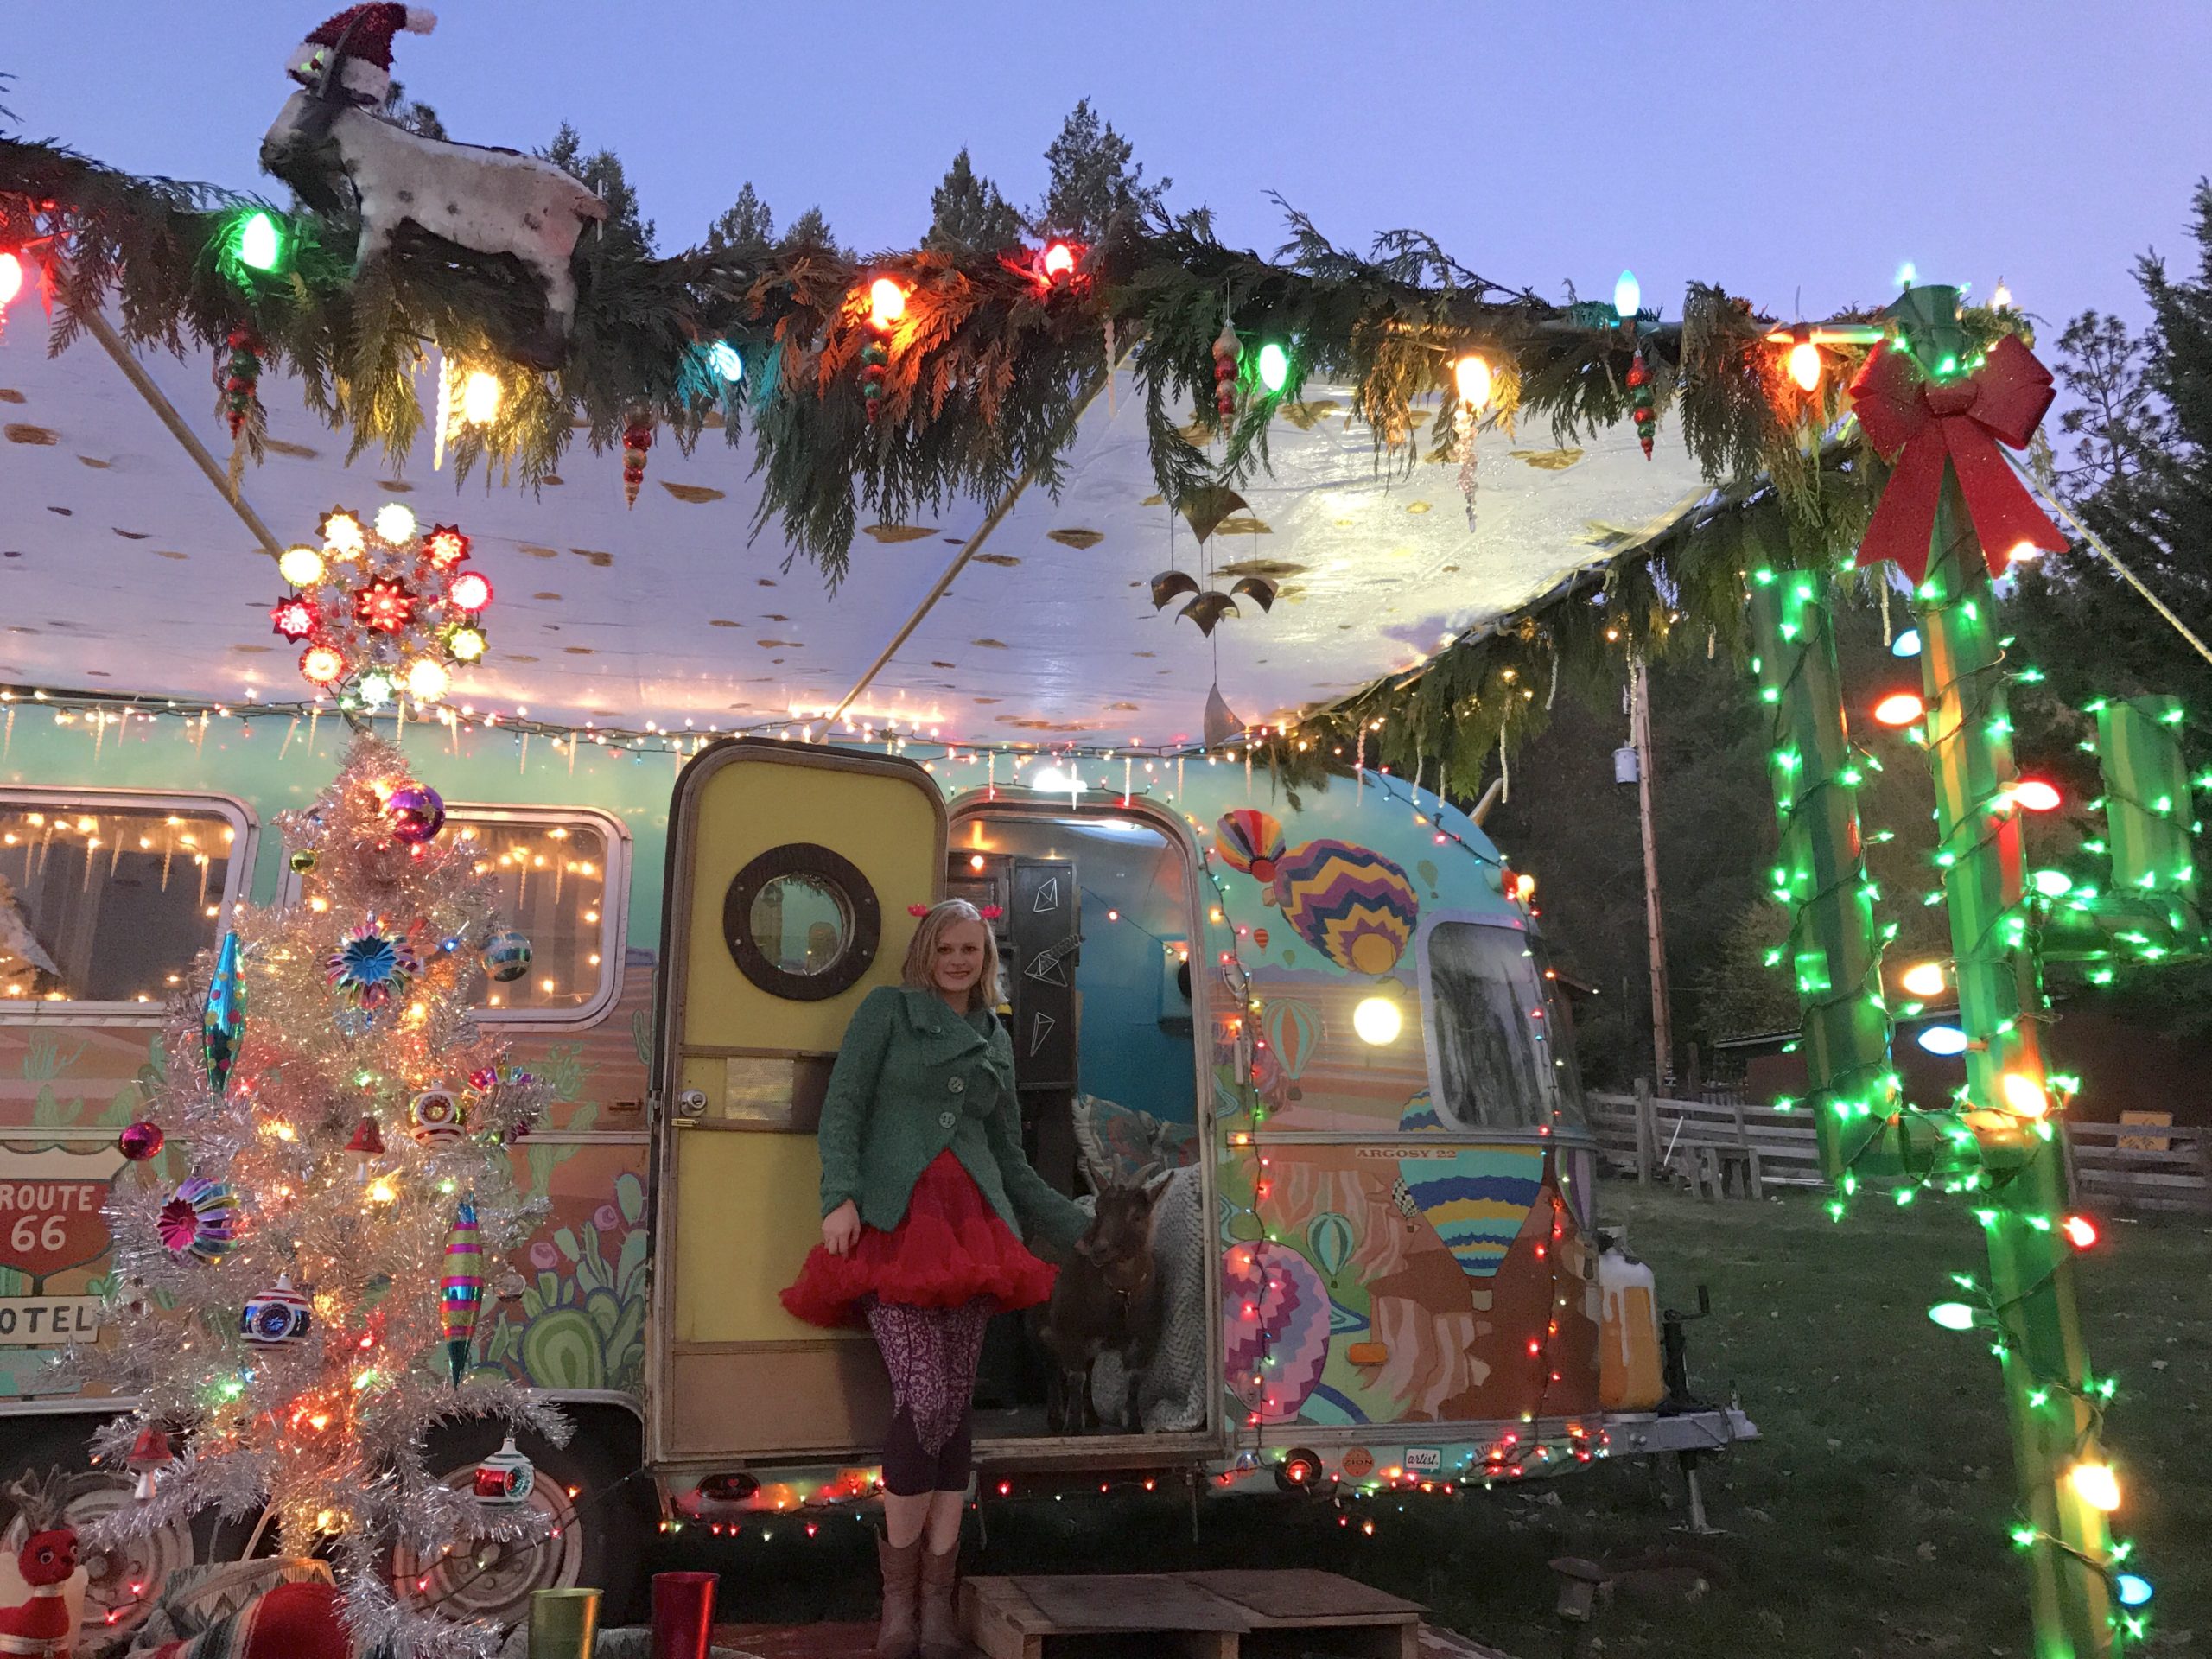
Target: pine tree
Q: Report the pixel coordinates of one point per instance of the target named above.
(625, 229)
(745, 223)
(1091, 181)
(2113, 417)
(968, 214)
(287, 1107)
(418, 118)
(808, 230)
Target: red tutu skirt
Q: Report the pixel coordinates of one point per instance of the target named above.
(952, 1249)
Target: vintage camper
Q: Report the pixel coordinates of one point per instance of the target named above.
(1325, 1019)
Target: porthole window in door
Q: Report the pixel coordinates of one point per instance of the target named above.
(802, 922)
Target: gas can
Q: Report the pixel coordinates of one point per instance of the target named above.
(1629, 1377)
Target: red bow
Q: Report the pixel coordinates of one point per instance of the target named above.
(1916, 422)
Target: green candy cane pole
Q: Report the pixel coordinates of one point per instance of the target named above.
(1834, 954)
(2061, 1467)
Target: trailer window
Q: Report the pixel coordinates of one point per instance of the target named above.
(1501, 1049)
(105, 898)
(554, 876)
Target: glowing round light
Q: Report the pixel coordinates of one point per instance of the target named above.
(1274, 366)
(1907, 644)
(301, 566)
(1059, 261)
(374, 688)
(2134, 1590)
(1805, 366)
(445, 546)
(470, 591)
(2052, 884)
(2023, 549)
(887, 302)
(1952, 1316)
(341, 533)
(11, 277)
(722, 359)
(2080, 1232)
(1907, 273)
(427, 681)
(1923, 979)
(2035, 795)
(2024, 1095)
(321, 666)
(1899, 709)
(1628, 296)
(261, 245)
(1053, 781)
(2000, 298)
(479, 397)
(395, 523)
(1524, 887)
(1377, 1020)
(2095, 1485)
(467, 643)
(1471, 376)
(1945, 1041)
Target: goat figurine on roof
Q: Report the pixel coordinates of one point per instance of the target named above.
(332, 146)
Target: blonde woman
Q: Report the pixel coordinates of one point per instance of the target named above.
(925, 1198)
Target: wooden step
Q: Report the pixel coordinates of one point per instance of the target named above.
(1228, 1615)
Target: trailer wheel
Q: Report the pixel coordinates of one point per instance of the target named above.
(596, 1513)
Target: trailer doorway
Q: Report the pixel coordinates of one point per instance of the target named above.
(1105, 994)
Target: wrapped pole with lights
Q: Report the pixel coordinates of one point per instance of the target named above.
(1833, 951)
(2065, 1534)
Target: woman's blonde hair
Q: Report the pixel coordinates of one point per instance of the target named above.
(920, 972)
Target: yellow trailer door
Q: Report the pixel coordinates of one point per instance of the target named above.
(790, 873)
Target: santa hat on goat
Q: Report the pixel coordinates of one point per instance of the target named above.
(359, 38)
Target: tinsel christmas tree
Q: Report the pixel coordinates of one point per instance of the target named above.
(299, 1292)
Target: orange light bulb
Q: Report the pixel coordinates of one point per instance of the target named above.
(2025, 1097)
(1805, 366)
(1899, 709)
(1923, 979)
(2035, 795)
(887, 302)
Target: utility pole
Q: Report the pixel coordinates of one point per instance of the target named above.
(1639, 735)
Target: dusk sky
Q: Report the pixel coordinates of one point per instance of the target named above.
(1777, 150)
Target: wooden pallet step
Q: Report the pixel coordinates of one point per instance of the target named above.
(1226, 1615)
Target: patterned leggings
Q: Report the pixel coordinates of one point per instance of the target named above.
(931, 1354)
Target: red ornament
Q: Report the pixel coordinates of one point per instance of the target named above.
(445, 547)
(637, 439)
(294, 618)
(1226, 352)
(385, 604)
(1917, 424)
(241, 380)
(321, 665)
(1639, 392)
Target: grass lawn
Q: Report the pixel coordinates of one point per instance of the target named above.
(1868, 1521)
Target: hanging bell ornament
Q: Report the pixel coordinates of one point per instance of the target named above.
(149, 1453)
(1225, 354)
(367, 1145)
(637, 439)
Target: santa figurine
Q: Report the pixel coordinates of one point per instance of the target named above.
(359, 41)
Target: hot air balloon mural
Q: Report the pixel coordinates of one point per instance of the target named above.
(1330, 1241)
(1250, 840)
(1419, 1115)
(1355, 907)
(1476, 1200)
(460, 1293)
(1273, 1307)
(1293, 1030)
(1259, 937)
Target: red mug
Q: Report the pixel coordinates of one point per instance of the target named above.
(683, 1614)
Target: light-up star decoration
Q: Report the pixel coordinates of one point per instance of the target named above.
(383, 607)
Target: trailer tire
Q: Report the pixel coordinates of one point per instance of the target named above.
(604, 1518)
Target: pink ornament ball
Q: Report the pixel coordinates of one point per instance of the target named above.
(139, 1141)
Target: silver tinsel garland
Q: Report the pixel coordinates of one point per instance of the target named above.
(329, 1432)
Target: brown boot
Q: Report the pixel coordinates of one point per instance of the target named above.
(941, 1605)
(898, 1636)
(941, 1637)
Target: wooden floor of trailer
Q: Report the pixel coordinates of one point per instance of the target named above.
(1201, 1615)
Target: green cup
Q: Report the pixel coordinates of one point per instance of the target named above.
(562, 1624)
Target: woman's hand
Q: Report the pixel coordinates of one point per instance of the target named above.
(840, 1229)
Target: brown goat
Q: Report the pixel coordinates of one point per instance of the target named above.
(1106, 1300)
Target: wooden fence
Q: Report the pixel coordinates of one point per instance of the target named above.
(2157, 1169)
